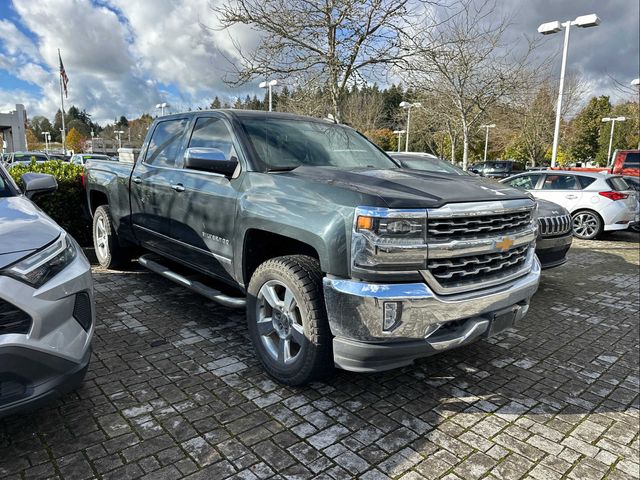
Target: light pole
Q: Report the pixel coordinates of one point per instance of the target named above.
(118, 133)
(408, 106)
(161, 107)
(486, 138)
(92, 141)
(613, 121)
(47, 137)
(269, 84)
(399, 133)
(549, 28)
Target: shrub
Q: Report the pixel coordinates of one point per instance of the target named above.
(65, 205)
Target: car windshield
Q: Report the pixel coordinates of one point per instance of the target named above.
(284, 144)
(96, 157)
(428, 164)
(28, 157)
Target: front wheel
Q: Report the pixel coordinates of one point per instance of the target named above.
(587, 225)
(287, 319)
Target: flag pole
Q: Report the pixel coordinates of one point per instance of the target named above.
(64, 132)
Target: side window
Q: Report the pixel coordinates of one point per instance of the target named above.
(586, 181)
(211, 132)
(632, 160)
(165, 142)
(524, 182)
(561, 182)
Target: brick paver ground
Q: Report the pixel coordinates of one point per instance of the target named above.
(174, 391)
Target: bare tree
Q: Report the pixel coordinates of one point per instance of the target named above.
(331, 44)
(465, 62)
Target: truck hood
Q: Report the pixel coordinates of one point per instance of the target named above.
(24, 228)
(403, 188)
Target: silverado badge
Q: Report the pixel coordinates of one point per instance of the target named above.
(504, 244)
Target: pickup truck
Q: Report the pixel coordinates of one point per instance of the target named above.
(340, 257)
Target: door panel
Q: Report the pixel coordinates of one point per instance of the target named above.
(565, 190)
(204, 213)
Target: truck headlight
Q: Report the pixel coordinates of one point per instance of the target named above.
(44, 264)
(387, 240)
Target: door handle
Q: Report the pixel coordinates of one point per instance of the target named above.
(571, 197)
(178, 187)
(136, 180)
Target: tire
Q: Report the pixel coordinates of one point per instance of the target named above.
(587, 224)
(105, 240)
(292, 340)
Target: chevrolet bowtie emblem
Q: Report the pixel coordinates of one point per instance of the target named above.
(504, 244)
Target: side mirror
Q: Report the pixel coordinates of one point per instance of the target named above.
(474, 170)
(210, 160)
(38, 184)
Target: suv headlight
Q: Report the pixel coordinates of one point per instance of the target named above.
(43, 265)
(388, 240)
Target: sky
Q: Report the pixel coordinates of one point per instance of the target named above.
(123, 57)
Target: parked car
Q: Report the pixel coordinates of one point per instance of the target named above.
(24, 157)
(555, 234)
(81, 158)
(59, 156)
(597, 201)
(322, 235)
(426, 162)
(46, 300)
(497, 169)
(634, 182)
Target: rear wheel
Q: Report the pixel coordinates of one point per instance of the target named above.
(105, 241)
(587, 224)
(287, 319)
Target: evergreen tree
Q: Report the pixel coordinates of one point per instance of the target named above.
(586, 128)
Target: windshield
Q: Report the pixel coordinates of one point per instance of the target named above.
(428, 164)
(28, 157)
(283, 144)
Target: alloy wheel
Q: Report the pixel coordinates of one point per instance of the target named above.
(585, 224)
(279, 322)
(101, 238)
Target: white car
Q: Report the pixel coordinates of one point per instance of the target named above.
(81, 158)
(597, 202)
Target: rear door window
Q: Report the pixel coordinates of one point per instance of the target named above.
(165, 142)
(561, 182)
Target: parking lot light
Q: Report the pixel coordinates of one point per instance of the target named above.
(161, 107)
(486, 138)
(269, 85)
(399, 133)
(408, 106)
(613, 124)
(549, 28)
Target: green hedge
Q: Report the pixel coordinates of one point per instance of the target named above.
(65, 205)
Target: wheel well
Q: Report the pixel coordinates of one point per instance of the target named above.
(96, 199)
(260, 246)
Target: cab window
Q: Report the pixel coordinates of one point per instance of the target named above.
(165, 142)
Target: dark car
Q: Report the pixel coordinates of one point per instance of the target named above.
(426, 163)
(554, 234)
(497, 169)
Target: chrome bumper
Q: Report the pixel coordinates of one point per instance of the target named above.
(355, 311)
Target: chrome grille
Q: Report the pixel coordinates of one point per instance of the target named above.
(553, 226)
(477, 269)
(469, 227)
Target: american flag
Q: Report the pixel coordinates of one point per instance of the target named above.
(63, 75)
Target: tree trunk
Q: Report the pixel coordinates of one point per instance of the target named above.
(465, 146)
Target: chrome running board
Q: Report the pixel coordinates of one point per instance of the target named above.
(198, 287)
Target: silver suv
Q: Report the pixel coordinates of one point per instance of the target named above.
(46, 300)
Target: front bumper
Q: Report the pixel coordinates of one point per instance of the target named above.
(52, 357)
(552, 252)
(428, 323)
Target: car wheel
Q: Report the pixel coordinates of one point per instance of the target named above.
(587, 225)
(287, 319)
(105, 241)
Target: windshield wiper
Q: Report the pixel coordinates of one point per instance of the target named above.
(282, 169)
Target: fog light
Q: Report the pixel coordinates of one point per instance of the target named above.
(392, 311)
